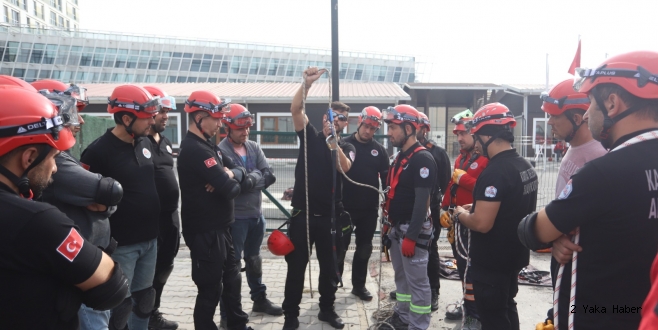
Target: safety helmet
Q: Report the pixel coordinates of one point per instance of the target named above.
(27, 117)
(13, 81)
(279, 244)
(371, 115)
(491, 114)
(166, 101)
(238, 117)
(133, 99)
(562, 98)
(78, 93)
(402, 113)
(460, 125)
(207, 101)
(636, 72)
(424, 120)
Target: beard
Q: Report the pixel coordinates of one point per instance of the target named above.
(39, 183)
(158, 128)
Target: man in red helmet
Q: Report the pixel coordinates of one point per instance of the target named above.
(504, 192)
(370, 167)
(411, 181)
(248, 229)
(125, 154)
(87, 198)
(209, 182)
(468, 167)
(324, 233)
(612, 197)
(43, 284)
(169, 225)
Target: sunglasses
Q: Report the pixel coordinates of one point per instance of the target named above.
(339, 116)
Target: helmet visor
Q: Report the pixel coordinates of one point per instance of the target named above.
(642, 75)
(390, 114)
(372, 121)
(562, 101)
(168, 102)
(66, 107)
(475, 121)
(223, 107)
(151, 107)
(244, 119)
(79, 93)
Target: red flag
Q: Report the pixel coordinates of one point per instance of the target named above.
(576, 61)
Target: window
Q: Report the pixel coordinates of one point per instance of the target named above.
(53, 19)
(72, 12)
(56, 4)
(15, 3)
(276, 122)
(61, 21)
(15, 18)
(38, 10)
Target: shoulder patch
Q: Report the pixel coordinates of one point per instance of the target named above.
(566, 191)
(71, 246)
(352, 155)
(424, 172)
(474, 165)
(169, 149)
(146, 153)
(374, 152)
(490, 192)
(210, 162)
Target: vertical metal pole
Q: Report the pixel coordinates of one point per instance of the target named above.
(335, 65)
(545, 118)
(524, 150)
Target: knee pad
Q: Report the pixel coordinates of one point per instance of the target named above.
(255, 265)
(163, 274)
(144, 301)
(364, 252)
(120, 315)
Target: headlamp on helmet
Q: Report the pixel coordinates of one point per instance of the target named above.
(150, 107)
(223, 107)
(457, 119)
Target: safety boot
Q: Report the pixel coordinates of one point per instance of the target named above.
(362, 293)
(332, 318)
(291, 323)
(435, 300)
(158, 322)
(264, 305)
(455, 313)
(393, 295)
(395, 322)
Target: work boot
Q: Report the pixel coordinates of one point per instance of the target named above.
(394, 321)
(362, 293)
(158, 322)
(471, 323)
(393, 295)
(264, 305)
(435, 300)
(332, 318)
(291, 323)
(455, 313)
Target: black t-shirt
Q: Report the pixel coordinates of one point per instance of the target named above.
(419, 172)
(136, 218)
(42, 257)
(614, 201)
(319, 173)
(444, 172)
(370, 164)
(510, 180)
(165, 178)
(199, 163)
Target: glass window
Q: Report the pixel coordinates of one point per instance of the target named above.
(205, 66)
(274, 64)
(15, 18)
(31, 75)
(224, 67)
(132, 62)
(187, 55)
(181, 79)
(153, 63)
(185, 65)
(196, 65)
(19, 73)
(143, 62)
(98, 59)
(175, 64)
(244, 67)
(53, 19)
(85, 60)
(201, 80)
(117, 77)
(57, 75)
(109, 61)
(161, 79)
(129, 78)
(81, 76)
(235, 64)
(120, 62)
(105, 77)
(171, 130)
(37, 54)
(277, 124)
(191, 79)
(212, 80)
(44, 74)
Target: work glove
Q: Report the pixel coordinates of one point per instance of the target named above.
(408, 247)
(548, 325)
(456, 175)
(446, 219)
(451, 235)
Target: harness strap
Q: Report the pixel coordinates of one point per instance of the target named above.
(394, 176)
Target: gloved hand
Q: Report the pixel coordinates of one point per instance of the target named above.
(408, 247)
(451, 235)
(446, 219)
(548, 325)
(457, 175)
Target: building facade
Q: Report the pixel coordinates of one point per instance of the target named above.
(33, 53)
(39, 14)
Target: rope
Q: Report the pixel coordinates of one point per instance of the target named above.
(465, 256)
(308, 239)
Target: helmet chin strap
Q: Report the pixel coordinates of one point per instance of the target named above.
(198, 126)
(575, 126)
(604, 136)
(23, 183)
(485, 146)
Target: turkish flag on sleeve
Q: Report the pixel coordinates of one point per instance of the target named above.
(71, 245)
(576, 61)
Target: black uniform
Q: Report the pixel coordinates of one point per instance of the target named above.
(320, 190)
(42, 257)
(169, 226)
(369, 167)
(498, 256)
(137, 216)
(206, 219)
(614, 200)
(442, 179)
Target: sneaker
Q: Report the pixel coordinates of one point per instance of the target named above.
(264, 305)
(362, 293)
(158, 322)
(472, 323)
(291, 323)
(435, 300)
(454, 312)
(395, 322)
(332, 318)
(393, 295)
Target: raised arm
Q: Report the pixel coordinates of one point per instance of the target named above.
(299, 119)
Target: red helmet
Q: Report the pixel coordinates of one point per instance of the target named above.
(133, 99)
(492, 114)
(166, 101)
(13, 81)
(58, 87)
(460, 126)
(371, 116)
(207, 101)
(53, 86)
(27, 117)
(636, 72)
(562, 97)
(424, 120)
(402, 113)
(279, 244)
(238, 117)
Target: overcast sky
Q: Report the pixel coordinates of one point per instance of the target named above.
(503, 41)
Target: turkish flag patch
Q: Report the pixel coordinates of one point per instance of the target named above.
(85, 166)
(210, 162)
(71, 245)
